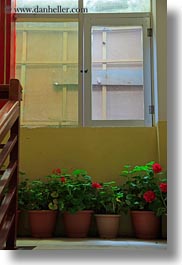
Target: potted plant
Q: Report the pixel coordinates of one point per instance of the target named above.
(76, 202)
(108, 206)
(22, 191)
(42, 206)
(163, 208)
(22, 195)
(144, 198)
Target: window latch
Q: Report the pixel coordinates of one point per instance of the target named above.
(84, 71)
(151, 109)
(149, 32)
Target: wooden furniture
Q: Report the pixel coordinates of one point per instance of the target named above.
(10, 96)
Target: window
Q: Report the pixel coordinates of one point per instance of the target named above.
(90, 70)
(117, 73)
(118, 83)
(47, 65)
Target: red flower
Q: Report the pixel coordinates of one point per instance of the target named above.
(163, 187)
(157, 168)
(56, 171)
(149, 196)
(96, 185)
(63, 179)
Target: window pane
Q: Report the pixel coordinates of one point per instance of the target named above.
(117, 6)
(47, 66)
(117, 73)
(46, 4)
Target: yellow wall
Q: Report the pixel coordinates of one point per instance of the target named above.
(159, 19)
(101, 151)
(162, 143)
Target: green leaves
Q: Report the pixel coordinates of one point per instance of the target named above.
(76, 191)
(54, 194)
(141, 179)
(78, 172)
(125, 172)
(53, 206)
(109, 199)
(38, 194)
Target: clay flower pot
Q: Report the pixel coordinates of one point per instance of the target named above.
(77, 224)
(42, 223)
(146, 224)
(107, 225)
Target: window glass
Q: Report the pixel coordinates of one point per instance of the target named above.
(47, 66)
(117, 6)
(117, 73)
(93, 6)
(46, 6)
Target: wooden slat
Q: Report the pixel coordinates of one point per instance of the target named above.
(7, 149)
(5, 111)
(8, 119)
(5, 231)
(6, 177)
(11, 91)
(15, 90)
(4, 91)
(6, 203)
(4, 95)
(4, 88)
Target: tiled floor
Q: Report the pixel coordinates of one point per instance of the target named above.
(89, 243)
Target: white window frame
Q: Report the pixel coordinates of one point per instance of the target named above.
(142, 19)
(85, 22)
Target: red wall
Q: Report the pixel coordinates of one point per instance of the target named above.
(7, 42)
(2, 26)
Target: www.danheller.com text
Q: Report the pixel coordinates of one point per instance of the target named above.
(37, 9)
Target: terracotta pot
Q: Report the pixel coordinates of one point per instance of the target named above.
(78, 224)
(108, 225)
(42, 223)
(146, 224)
